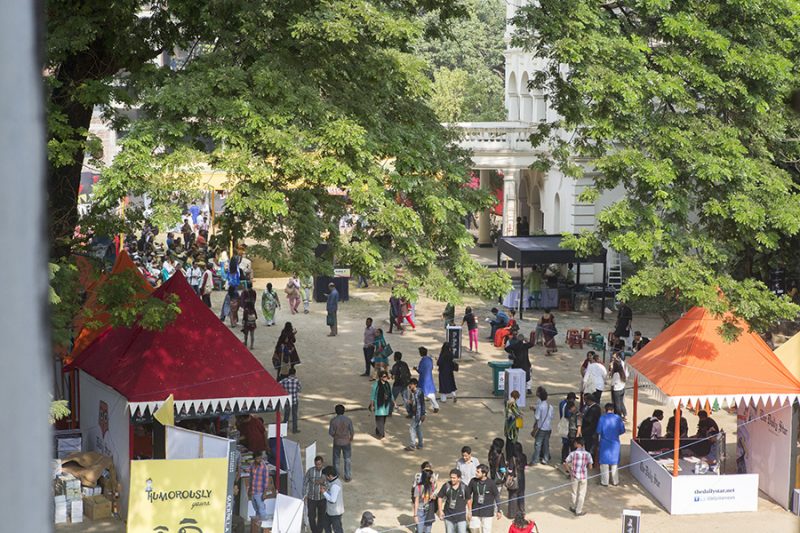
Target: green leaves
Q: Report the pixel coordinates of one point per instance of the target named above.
(684, 107)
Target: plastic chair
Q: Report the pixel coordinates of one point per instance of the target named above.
(585, 333)
(574, 338)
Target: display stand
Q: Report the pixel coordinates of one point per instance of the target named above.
(688, 493)
(454, 340)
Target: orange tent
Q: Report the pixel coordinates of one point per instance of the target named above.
(92, 307)
(690, 362)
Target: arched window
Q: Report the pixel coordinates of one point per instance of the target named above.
(526, 100)
(513, 97)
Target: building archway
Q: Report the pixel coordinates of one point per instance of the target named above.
(525, 99)
(513, 98)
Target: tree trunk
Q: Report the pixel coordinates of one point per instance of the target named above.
(63, 182)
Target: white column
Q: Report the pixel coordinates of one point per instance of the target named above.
(484, 219)
(510, 179)
(26, 449)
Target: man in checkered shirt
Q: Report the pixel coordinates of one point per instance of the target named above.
(293, 387)
(259, 484)
(577, 464)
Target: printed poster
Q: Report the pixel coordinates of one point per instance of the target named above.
(179, 495)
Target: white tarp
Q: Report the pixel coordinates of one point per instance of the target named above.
(294, 465)
(288, 515)
(186, 444)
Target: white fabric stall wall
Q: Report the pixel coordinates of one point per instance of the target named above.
(109, 434)
(764, 446)
(187, 444)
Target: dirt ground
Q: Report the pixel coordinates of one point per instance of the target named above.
(383, 472)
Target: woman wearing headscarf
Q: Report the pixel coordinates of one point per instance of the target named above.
(425, 501)
(516, 470)
(497, 461)
(380, 401)
(285, 355)
(249, 316)
(447, 377)
(513, 422)
(380, 358)
(269, 302)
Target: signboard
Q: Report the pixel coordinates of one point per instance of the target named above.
(706, 494)
(341, 272)
(188, 495)
(454, 340)
(631, 521)
(515, 381)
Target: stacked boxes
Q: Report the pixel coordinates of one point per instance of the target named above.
(97, 507)
(61, 509)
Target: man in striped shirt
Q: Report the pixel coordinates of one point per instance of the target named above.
(577, 464)
(313, 489)
(259, 484)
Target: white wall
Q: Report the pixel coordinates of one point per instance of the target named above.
(116, 440)
(764, 447)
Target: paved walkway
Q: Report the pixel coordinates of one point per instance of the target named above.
(382, 471)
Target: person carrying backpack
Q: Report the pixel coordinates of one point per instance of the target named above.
(401, 376)
(650, 428)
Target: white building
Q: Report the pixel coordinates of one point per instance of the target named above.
(550, 201)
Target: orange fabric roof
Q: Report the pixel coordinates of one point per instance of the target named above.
(87, 335)
(689, 361)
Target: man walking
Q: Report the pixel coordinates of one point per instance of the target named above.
(206, 284)
(594, 380)
(369, 347)
(577, 464)
(332, 307)
(425, 371)
(467, 465)
(415, 404)
(307, 285)
(341, 429)
(334, 506)
(313, 490)
(401, 377)
(293, 387)
(482, 505)
(453, 504)
(609, 429)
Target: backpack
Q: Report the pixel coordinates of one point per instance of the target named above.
(403, 374)
(646, 428)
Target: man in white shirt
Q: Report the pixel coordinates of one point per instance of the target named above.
(334, 508)
(246, 266)
(467, 465)
(206, 284)
(544, 423)
(594, 380)
(194, 277)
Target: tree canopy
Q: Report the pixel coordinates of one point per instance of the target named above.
(298, 103)
(467, 64)
(685, 106)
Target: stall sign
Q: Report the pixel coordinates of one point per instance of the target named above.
(631, 521)
(454, 340)
(171, 496)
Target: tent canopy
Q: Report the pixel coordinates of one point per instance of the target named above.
(92, 308)
(543, 249)
(196, 358)
(690, 362)
(789, 354)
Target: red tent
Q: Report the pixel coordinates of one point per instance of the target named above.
(196, 358)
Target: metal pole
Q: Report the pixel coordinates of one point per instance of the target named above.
(521, 287)
(676, 441)
(26, 449)
(635, 404)
(277, 449)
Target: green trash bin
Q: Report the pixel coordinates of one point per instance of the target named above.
(498, 367)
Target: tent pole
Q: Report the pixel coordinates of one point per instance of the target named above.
(521, 289)
(635, 404)
(278, 449)
(605, 287)
(578, 274)
(676, 441)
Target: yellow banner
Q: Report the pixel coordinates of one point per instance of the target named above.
(172, 496)
(166, 413)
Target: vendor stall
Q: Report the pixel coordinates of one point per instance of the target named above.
(545, 250)
(689, 365)
(127, 373)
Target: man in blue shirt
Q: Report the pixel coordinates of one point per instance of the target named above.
(500, 320)
(194, 211)
(332, 307)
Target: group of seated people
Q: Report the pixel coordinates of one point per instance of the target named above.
(707, 431)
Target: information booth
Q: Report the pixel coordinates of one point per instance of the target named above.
(689, 365)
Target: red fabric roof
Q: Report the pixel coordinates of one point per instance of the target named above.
(690, 359)
(196, 357)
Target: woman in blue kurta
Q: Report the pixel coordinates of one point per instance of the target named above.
(609, 428)
(380, 400)
(425, 371)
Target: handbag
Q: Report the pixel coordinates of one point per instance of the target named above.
(511, 482)
(519, 422)
(563, 427)
(387, 350)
